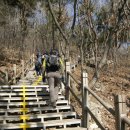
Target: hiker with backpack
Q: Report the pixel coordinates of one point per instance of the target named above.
(38, 64)
(54, 68)
(44, 59)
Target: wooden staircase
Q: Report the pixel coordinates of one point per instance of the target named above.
(25, 106)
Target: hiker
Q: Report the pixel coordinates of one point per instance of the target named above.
(54, 68)
(44, 59)
(38, 64)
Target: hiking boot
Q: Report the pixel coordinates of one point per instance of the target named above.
(51, 104)
(54, 104)
(48, 103)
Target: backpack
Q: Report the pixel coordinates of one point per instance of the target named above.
(37, 65)
(53, 63)
(53, 60)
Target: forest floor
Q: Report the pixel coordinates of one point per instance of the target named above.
(113, 81)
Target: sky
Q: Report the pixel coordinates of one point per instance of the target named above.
(40, 15)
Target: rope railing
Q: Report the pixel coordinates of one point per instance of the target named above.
(84, 103)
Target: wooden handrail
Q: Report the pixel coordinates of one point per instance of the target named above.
(126, 120)
(107, 106)
(25, 69)
(121, 118)
(94, 117)
(78, 82)
(120, 121)
(78, 100)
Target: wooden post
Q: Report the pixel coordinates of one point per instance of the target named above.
(14, 69)
(33, 59)
(124, 113)
(67, 79)
(85, 119)
(6, 76)
(120, 110)
(67, 68)
(22, 63)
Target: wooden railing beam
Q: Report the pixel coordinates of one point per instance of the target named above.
(6, 76)
(120, 114)
(108, 107)
(95, 119)
(14, 70)
(126, 120)
(120, 105)
(78, 83)
(22, 63)
(67, 79)
(85, 119)
(78, 100)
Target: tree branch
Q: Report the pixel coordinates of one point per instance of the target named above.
(74, 18)
(56, 22)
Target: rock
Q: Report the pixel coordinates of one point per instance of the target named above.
(97, 87)
(93, 126)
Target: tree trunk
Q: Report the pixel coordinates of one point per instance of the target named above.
(74, 18)
(53, 35)
(102, 61)
(100, 65)
(57, 24)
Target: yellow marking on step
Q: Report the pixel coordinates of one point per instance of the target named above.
(23, 86)
(23, 89)
(24, 126)
(24, 117)
(24, 94)
(24, 98)
(23, 104)
(37, 81)
(24, 110)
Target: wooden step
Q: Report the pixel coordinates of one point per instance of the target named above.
(36, 109)
(21, 89)
(7, 100)
(31, 103)
(11, 95)
(76, 128)
(21, 86)
(19, 93)
(42, 117)
(26, 80)
(54, 123)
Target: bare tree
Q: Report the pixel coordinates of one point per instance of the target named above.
(113, 26)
